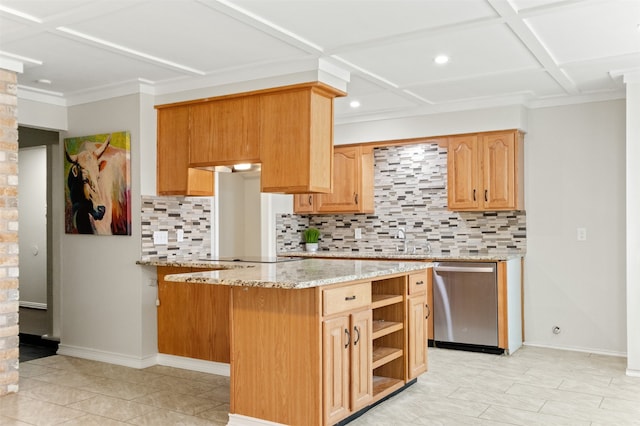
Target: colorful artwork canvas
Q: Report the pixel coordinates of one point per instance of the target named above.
(98, 184)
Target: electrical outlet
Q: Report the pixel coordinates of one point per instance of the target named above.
(160, 238)
(357, 233)
(180, 235)
(582, 234)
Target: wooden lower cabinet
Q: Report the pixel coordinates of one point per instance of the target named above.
(193, 319)
(315, 356)
(347, 349)
(417, 353)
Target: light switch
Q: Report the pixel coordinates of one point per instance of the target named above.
(357, 233)
(180, 235)
(160, 238)
(582, 234)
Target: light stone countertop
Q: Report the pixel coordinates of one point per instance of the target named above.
(404, 256)
(298, 274)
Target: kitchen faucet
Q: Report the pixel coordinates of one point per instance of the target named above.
(402, 235)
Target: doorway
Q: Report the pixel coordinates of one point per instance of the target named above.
(35, 148)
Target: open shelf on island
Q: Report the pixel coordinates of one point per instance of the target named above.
(383, 386)
(380, 300)
(383, 355)
(382, 328)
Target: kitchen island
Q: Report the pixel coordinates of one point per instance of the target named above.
(314, 341)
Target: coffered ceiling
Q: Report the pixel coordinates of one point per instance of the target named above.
(529, 52)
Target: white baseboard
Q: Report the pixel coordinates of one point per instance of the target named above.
(633, 373)
(219, 368)
(240, 420)
(110, 357)
(33, 305)
(577, 349)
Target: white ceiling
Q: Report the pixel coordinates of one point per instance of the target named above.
(529, 52)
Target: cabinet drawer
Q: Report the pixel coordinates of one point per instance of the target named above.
(346, 298)
(418, 283)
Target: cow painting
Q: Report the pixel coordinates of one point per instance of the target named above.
(98, 189)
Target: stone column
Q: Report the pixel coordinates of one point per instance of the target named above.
(8, 232)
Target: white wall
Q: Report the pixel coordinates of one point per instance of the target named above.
(633, 223)
(574, 177)
(32, 200)
(105, 296)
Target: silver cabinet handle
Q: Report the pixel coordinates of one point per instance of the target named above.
(463, 269)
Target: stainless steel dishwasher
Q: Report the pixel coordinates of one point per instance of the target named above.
(465, 306)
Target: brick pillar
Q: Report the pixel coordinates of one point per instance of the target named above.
(8, 232)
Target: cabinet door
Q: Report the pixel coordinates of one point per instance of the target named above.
(296, 141)
(225, 132)
(361, 359)
(345, 196)
(303, 203)
(499, 160)
(463, 173)
(335, 360)
(174, 177)
(173, 325)
(417, 336)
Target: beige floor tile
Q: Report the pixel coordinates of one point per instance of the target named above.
(34, 370)
(116, 388)
(165, 417)
(93, 420)
(622, 405)
(180, 385)
(219, 394)
(445, 406)
(218, 415)
(6, 421)
(113, 408)
(188, 374)
(515, 416)
(501, 399)
(597, 415)
(33, 411)
(67, 378)
(576, 398)
(56, 394)
(600, 390)
(185, 404)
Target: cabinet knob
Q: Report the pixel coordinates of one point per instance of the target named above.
(428, 311)
(474, 195)
(355, 342)
(419, 282)
(485, 195)
(346, 331)
(350, 297)
(310, 199)
(356, 199)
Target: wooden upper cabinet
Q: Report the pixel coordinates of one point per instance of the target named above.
(296, 139)
(352, 184)
(463, 173)
(485, 171)
(174, 175)
(303, 203)
(225, 131)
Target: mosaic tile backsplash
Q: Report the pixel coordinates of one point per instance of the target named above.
(410, 193)
(192, 215)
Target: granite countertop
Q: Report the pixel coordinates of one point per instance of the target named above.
(403, 256)
(191, 263)
(304, 273)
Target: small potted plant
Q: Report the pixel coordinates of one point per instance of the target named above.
(311, 236)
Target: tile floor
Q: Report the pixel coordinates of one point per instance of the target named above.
(532, 387)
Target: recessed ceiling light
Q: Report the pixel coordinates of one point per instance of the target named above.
(43, 81)
(441, 59)
(354, 104)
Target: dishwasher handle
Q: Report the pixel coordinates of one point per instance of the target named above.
(488, 269)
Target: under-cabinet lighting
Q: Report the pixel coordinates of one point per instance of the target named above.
(354, 104)
(241, 166)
